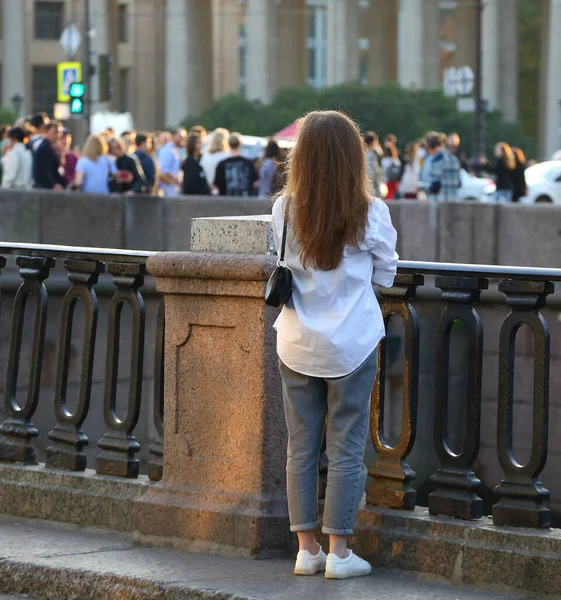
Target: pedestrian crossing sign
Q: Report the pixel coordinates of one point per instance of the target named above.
(67, 74)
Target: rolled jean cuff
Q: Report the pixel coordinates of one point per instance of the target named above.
(305, 527)
(328, 531)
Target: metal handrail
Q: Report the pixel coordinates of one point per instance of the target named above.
(405, 267)
(108, 254)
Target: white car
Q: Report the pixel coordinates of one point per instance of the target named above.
(544, 183)
(476, 188)
(253, 146)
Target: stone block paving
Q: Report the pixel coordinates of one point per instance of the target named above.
(47, 561)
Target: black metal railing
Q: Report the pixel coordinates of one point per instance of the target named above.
(520, 497)
(456, 489)
(118, 447)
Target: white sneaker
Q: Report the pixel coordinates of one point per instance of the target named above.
(307, 564)
(345, 568)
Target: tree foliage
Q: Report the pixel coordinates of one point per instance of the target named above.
(409, 114)
(7, 115)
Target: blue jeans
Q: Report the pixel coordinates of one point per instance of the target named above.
(503, 196)
(345, 402)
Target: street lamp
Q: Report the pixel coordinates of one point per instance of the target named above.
(17, 103)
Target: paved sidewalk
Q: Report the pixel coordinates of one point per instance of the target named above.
(59, 562)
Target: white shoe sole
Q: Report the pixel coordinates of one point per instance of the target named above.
(362, 573)
(308, 572)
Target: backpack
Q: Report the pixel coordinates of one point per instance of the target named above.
(394, 172)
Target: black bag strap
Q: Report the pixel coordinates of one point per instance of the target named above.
(283, 243)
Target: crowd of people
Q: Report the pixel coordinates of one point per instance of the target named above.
(432, 168)
(38, 152)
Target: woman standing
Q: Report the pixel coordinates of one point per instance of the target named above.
(267, 169)
(216, 153)
(339, 241)
(18, 163)
(519, 189)
(94, 169)
(391, 169)
(409, 184)
(194, 178)
(504, 167)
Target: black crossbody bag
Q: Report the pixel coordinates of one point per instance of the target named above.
(279, 286)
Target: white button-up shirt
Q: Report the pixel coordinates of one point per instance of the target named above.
(333, 322)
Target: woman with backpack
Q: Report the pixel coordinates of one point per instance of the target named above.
(391, 169)
(338, 240)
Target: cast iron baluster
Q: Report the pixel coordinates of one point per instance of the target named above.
(456, 483)
(16, 433)
(156, 466)
(391, 475)
(521, 494)
(118, 445)
(68, 437)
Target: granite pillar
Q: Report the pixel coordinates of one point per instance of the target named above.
(223, 488)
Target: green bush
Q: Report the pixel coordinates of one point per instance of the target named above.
(385, 109)
(7, 115)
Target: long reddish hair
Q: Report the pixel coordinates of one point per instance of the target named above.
(328, 189)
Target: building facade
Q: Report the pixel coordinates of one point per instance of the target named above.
(171, 58)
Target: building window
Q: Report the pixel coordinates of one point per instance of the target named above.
(123, 23)
(44, 89)
(242, 49)
(316, 44)
(124, 90)
(49, 20)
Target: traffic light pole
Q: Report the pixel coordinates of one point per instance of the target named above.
(88, 70)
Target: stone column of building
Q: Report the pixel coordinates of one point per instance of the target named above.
(99, 45)
(508, 60)
(465, 35)
(410, 36)
(228, 18)
(147, 61)
(188, 64)
(381, 24)
(14, 53)
(292, 22)
(551, 86)
(430, 26)
(342, 41)
(491, 53)
(500, 57)
(262, 49)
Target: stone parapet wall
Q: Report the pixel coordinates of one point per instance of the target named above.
(481, 233)
(130, 222)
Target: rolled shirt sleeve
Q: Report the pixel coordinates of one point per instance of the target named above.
(382, 240)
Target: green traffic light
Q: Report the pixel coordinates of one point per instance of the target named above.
(76, 90)
(76, 106)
